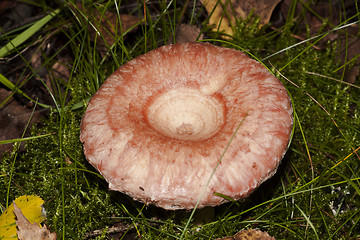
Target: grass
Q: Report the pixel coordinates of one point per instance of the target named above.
(315, 193)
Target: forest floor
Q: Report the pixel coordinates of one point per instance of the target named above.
(55, 55)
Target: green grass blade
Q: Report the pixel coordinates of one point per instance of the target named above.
(23, 139)
(6, 82)
(21, 38)
(308, 221)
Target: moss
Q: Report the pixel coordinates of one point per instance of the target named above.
(58, 172)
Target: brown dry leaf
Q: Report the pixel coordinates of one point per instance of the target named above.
(225, 12)
(60, 72)
(6, 4)
(349, 53)
(13, 119)
(28, 231)
(250, 234)
(262, 8)
(186, 33)
(331, 13)
(106, 25)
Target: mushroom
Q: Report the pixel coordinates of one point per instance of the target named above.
(158, 127)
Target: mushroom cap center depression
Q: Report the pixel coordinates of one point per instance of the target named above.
(186, 114)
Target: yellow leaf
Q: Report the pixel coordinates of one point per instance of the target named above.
(221, 15)
(31, 207)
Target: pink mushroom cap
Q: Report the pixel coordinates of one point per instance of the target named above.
(158, 126)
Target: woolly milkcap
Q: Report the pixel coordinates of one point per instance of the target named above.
(158, 126)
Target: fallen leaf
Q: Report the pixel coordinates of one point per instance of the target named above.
(221, 19)
(350, 53)
(322, 17)
(261, 8)
(59, 73)
(5, 5)
(31, 207)
(28, 231)
(223, 13)
(329, 12)
(250, 234)
(186, 33)
(105, 26)
(14, 118)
